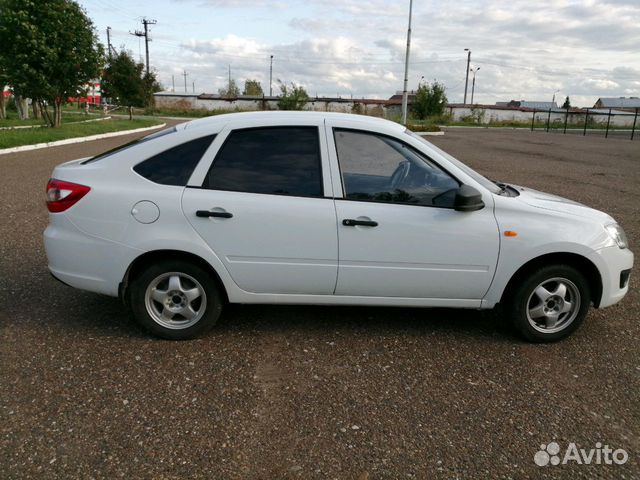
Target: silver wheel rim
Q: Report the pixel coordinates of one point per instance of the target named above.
(175, 300)
(553, 305)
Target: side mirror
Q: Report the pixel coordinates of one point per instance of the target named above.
(467, 199)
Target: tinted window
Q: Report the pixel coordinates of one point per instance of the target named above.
(277, 160)
(381, 169)
(174, 166)
(126, 146)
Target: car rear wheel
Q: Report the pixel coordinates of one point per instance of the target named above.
(549, 304)
(175, 299)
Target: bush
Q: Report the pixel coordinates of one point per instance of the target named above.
(430, 100)
(10, 103)
(424, 128)
(294, 98)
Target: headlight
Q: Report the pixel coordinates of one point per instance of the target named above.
(616, 232)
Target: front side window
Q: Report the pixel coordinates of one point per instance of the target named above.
(272, 160)
(175, 165)
(378, 168)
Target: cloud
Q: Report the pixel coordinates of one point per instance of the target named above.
(524, 49)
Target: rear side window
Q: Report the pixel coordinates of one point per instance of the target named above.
(273, 160)
(175, 165)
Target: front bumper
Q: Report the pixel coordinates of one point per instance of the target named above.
(612, 262)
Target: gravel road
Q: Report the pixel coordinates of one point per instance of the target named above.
(315, 392)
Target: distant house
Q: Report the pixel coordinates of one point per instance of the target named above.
(529, 104)
(623, 103)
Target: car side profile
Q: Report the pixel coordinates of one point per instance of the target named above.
(321, 208)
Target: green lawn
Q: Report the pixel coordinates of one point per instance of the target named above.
(29, 136)
(12, 119)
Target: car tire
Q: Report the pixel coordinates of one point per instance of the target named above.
(175, 299)
(549, 304)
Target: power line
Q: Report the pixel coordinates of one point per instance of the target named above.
(145, 22)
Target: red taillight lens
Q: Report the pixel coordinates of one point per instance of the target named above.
(62, 195)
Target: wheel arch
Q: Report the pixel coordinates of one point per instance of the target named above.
(579, 262)
(148, 258)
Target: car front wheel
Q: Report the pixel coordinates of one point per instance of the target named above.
(549, 304)
(175, 299)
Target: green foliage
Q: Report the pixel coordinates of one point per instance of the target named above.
(476, 116)
(426, 127)
(567, 103)
(49, 50)
(292, 98)
(357, 108)
(232, 90)
(124, 83)
(430, 99)
(253, 88)
(151, 86)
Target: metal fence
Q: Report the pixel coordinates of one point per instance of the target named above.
(589, 121)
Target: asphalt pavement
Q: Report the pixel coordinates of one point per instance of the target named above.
(315, 392)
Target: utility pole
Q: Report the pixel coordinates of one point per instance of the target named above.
(145, 22)
(173, 83)
(109, 47)
(184, 74)
(229, 85)
(473, 84)
(194, 87)
(271, 76)
(466, 82)
(406, 69)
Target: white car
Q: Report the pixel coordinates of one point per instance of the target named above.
(321, 208)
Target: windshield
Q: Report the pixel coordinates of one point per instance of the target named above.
(485, 182)
(137, 141)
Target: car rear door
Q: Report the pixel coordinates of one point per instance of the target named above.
(395, 240)
(266, 209)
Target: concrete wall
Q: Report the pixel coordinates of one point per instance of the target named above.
(482, 114)
(182, 101)
(485, 115)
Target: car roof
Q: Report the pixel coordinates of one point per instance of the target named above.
(266, 116)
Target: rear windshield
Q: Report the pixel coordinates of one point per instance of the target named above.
(126, 146)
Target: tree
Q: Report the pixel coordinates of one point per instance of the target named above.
(253, 88)
(430, 99)
(3, 105)
(292, 98)
(123, 81)
(49, 50)
(232, 90)
(151, 86)
(567, 103)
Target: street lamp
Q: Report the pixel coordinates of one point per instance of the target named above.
(271, 76)
(466, 82)
(406, 69)
(473, 84)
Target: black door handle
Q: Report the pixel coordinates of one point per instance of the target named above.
(349, 222)
(209, 213)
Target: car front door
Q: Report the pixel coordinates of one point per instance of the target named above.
(398, 233)
(262, 209)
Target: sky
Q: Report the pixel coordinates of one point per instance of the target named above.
(524, 49)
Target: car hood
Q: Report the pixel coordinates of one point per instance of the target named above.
(555, 203)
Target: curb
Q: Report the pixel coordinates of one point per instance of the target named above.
(429, 134)
(69, 141)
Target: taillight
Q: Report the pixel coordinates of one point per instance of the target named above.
(63, 195)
